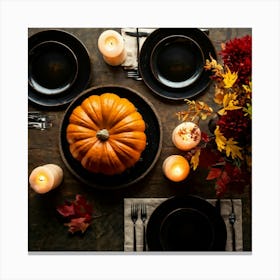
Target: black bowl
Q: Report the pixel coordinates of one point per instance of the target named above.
(52, 67)
(177, 61)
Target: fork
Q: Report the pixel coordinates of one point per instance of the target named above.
(134, 217)
(134, 74)
(144, 218)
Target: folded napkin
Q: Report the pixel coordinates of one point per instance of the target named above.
(130, 43)
(152, 203)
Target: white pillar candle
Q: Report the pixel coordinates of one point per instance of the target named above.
(45, 178)
(111, 45)
(186, 136)
(176, 168)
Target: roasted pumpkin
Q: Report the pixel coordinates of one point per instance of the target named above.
(106, 134)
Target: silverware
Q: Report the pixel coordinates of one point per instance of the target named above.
(38, 121)
(134, 217)
(144, 218)
(140, 34)
(134, 74)
(39, 125)
(232, 219)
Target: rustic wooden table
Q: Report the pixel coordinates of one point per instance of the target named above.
(46, 232)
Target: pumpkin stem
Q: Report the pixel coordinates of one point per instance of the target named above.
(102, 134)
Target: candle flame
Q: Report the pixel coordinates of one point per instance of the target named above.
(177, 170)
(42, 178)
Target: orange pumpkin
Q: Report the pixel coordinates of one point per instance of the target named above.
(106, 134)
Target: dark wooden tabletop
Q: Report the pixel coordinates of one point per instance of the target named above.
(46, 232)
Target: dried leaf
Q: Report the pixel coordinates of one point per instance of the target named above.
(195, 159)
(66, 210)
(77, 224)
(214, 173)
(78, 213)
(220, 139)
(229, 78)
(232, 149)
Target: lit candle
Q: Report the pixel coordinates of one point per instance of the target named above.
(111, 45)
(176, 168)
(186, 136)
(45, 178)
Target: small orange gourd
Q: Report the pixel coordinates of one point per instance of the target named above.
(106, 134)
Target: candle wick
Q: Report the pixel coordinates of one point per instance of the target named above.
(41, 178)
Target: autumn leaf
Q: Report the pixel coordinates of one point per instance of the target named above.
(219, 95)
(221, 183)
(248, 110)
(195, 159)
(66, 210)
(232, 149)
(78, 213)
(229, 78)
(220, 139)
(77, 224)
(214, 173)
(230, 102)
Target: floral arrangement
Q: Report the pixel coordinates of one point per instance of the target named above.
(226, 149)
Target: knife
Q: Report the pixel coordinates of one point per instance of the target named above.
(232, 219)
(140, 34)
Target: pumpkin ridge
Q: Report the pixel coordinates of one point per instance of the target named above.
(126, 154)
(122, 110)
(79, 117)
(91, 106)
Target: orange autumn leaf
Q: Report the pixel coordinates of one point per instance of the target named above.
(195, 159)
(214, 173)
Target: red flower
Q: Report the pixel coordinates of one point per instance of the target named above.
(237, 55)
(235, 125)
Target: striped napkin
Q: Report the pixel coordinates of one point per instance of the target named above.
(152, 203)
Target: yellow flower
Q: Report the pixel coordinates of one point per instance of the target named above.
(229, 78)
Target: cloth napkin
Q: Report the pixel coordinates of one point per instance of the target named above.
(130, 43)
(152, 203)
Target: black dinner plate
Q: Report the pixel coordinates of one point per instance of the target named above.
(80, 80)
(186, 223)
(149, 155)
(163, 89)
(177, 61)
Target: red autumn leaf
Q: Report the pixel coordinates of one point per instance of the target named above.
(77, 224)
(78, 213)
(82, 207)
(222, 183)
(214, 173)
(66, 210)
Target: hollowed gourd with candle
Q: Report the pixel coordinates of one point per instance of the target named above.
(106, 134)
(186, 136)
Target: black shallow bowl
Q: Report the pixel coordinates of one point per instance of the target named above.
(148, 158)
(177, 61)
(187, 223)
(175, 93)
(81, 81)
(52, 67)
